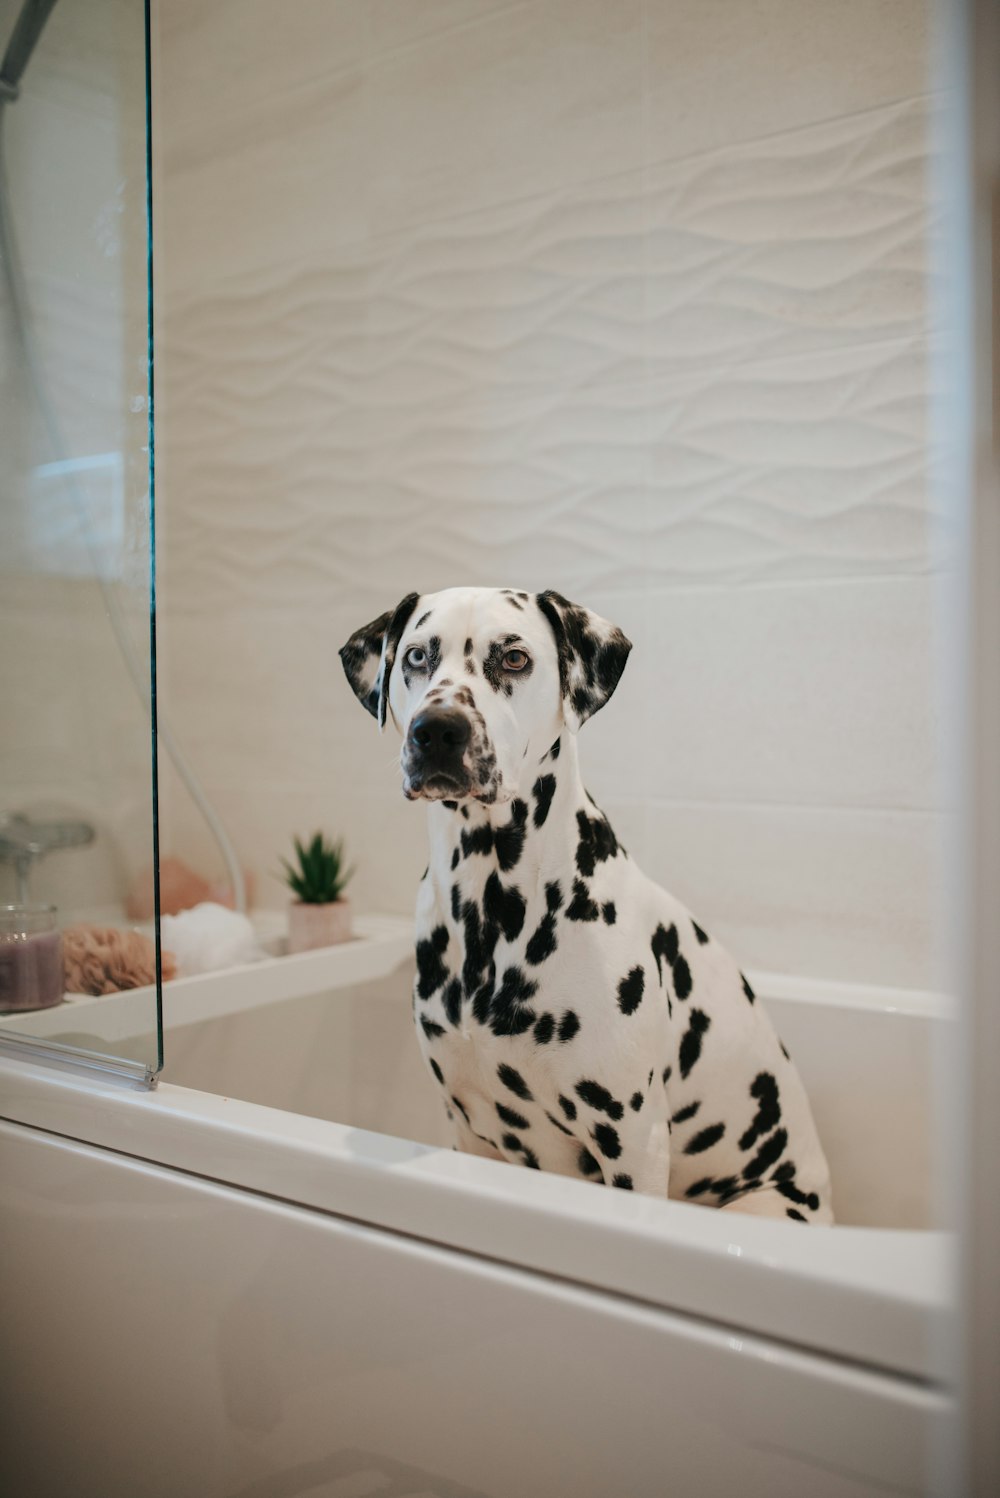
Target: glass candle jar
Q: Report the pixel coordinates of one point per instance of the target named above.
(31, 969)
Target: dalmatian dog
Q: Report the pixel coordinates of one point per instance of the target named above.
(575, 1017)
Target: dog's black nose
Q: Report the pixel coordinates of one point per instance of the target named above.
(441, 734)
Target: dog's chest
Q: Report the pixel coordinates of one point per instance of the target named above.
(524, 992)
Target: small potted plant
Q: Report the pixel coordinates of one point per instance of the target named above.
(319, 916)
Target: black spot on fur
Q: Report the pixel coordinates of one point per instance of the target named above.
(553, 896)
(683, 1114)
(622, 1181)
(765, 1089)
(665, 946)
(609, 913)
(437, 1071)
(586, 1164)
(568, 1025)
(452, 1001)
(504, 905)
(480, 944)
(608, 1141)
(597, 842)
(581, 907)
(769, 1153)
(596, 1096)
(430, 1029)
(544, 1029)
(422, 620)
(530, 1159)
(568, 1107)
(727, 1189)
(511, 1142)
(543, 790)
(477, 840)
(699, 933)
(431, 971)
(511, 1119)
(795, 1194)
(456, 903)
(460, 1108)
(795, 1216)
(635, 1101)
(667, 1073)
(704, 1139)
(690, 1048)
(554, 751)
(560, 1126)
(698, 1188)
(783, 1051)
(468, 646)
(514, 1082)
(455, 858)
(509, 840)
(747, 989)
(482, 1000)
(542, 942)
(682, 979)
(510, 1013)
(630, 991)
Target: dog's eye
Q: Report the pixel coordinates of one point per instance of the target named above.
(515, 660)
(416, 657)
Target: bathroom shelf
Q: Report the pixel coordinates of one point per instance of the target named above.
(381, 943)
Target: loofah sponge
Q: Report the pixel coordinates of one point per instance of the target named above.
(208, 938)
(103, 959)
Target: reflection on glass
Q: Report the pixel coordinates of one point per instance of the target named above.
(76, 814)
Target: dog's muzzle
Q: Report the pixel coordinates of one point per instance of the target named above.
(436, 747)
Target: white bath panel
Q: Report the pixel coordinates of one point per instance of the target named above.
(302, 1351)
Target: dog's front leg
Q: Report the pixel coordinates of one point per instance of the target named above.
(624, 1149)
(468, 1142)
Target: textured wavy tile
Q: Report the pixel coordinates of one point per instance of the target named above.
(795, 468)
(805, 467)
(802, 242)
(719, 74)
(836, 893)
(694, 372)
(805, 241)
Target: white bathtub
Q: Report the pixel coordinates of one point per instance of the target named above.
(377, 1304)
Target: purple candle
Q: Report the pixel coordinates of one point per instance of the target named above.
(31, 970)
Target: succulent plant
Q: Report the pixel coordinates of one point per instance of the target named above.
(320, 876)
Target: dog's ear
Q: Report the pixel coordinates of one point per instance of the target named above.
(369, 654)
(592, 655)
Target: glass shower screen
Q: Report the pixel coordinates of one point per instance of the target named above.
(79, 970)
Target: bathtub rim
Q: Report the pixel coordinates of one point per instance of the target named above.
(382, 942)
(878, 1298)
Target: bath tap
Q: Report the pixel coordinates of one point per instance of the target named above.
(22, 841)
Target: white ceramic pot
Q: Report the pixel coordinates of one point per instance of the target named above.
(312, 926)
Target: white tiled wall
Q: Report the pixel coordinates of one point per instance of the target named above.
(624, 299)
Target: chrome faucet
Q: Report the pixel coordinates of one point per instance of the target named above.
(22, 841)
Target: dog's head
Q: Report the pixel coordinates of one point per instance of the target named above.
(480, 683)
